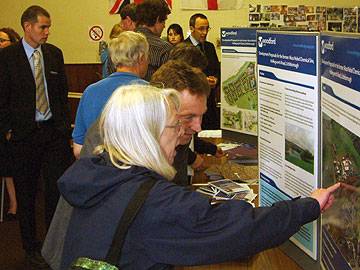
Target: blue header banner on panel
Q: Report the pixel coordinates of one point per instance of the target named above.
(288, 51)
(238, 37)
(340, 58)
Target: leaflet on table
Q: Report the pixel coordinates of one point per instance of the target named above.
(210, 133)
(238, 80)
(288, 91)
(340, 85)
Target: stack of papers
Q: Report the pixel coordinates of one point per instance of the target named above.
(226, 189)
(210, 133)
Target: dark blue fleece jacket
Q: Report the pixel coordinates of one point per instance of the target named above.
(175, 226)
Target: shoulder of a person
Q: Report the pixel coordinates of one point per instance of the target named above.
(209, 44)
(51, 48)
(187, 40)
(12, 49)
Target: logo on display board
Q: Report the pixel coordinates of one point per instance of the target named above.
(330, 45)
(225, 33)
(262, 42)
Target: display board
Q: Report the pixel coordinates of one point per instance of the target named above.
(340, 86)
(238, 80)
(288, 97)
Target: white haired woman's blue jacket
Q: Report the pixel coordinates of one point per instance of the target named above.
(175, 226)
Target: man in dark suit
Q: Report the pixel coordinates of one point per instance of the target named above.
(199, 27)
(34, 118)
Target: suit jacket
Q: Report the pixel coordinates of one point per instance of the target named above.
(213, 68)
(211, 118)
(18, 90)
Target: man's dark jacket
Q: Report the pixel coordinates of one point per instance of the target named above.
(18, 90)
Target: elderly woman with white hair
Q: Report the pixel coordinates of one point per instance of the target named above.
(175, 226)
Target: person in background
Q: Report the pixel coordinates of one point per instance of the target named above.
(194, 90)
(140, 130)
(150, 18)
(175, 34)
(35, 118)
(128, 17)
(189, 54)
(8, 36)
(194, 57)
(129, 53)
(199, 27)
(107, 65)
(127, 23)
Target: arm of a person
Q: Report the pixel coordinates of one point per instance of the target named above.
(79, 131)
(195, 160)
(216, 64)
(77, 150)
(65, 90)
(191, 157)
(204, 147)
(103, 51)
(213, 69)
(5, 90)
(228, 231)
(92, 140)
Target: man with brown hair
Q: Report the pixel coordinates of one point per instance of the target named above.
(190, 55)
(35, 119)
(128, 17)
(194, 90)
(150, 17)
(194, 57)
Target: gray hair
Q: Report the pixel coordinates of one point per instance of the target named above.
(128, 48)
(131, 124)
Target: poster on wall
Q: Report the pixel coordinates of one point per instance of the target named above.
(288, 94)
(238, 80)
(340, 115)
(312, 18)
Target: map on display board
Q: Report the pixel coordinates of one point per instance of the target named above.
(340, 99)
(239, 99)
(288, 94)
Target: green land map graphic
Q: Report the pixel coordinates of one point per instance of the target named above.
(240, 90)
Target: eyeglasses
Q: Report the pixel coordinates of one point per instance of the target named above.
(3, 40)
(177, 126)
(186, 120)
(203, 29)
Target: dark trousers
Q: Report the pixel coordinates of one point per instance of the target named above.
(46, 153)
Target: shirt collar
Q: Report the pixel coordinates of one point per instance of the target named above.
(143, 29)
(29, 50)
(194, 41)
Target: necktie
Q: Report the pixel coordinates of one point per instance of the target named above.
(41, 101)
(200, 46)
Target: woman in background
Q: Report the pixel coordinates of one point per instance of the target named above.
(175, 34)
(107, 65)
(8, 36)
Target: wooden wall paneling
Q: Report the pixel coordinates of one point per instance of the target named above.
(79, 77)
